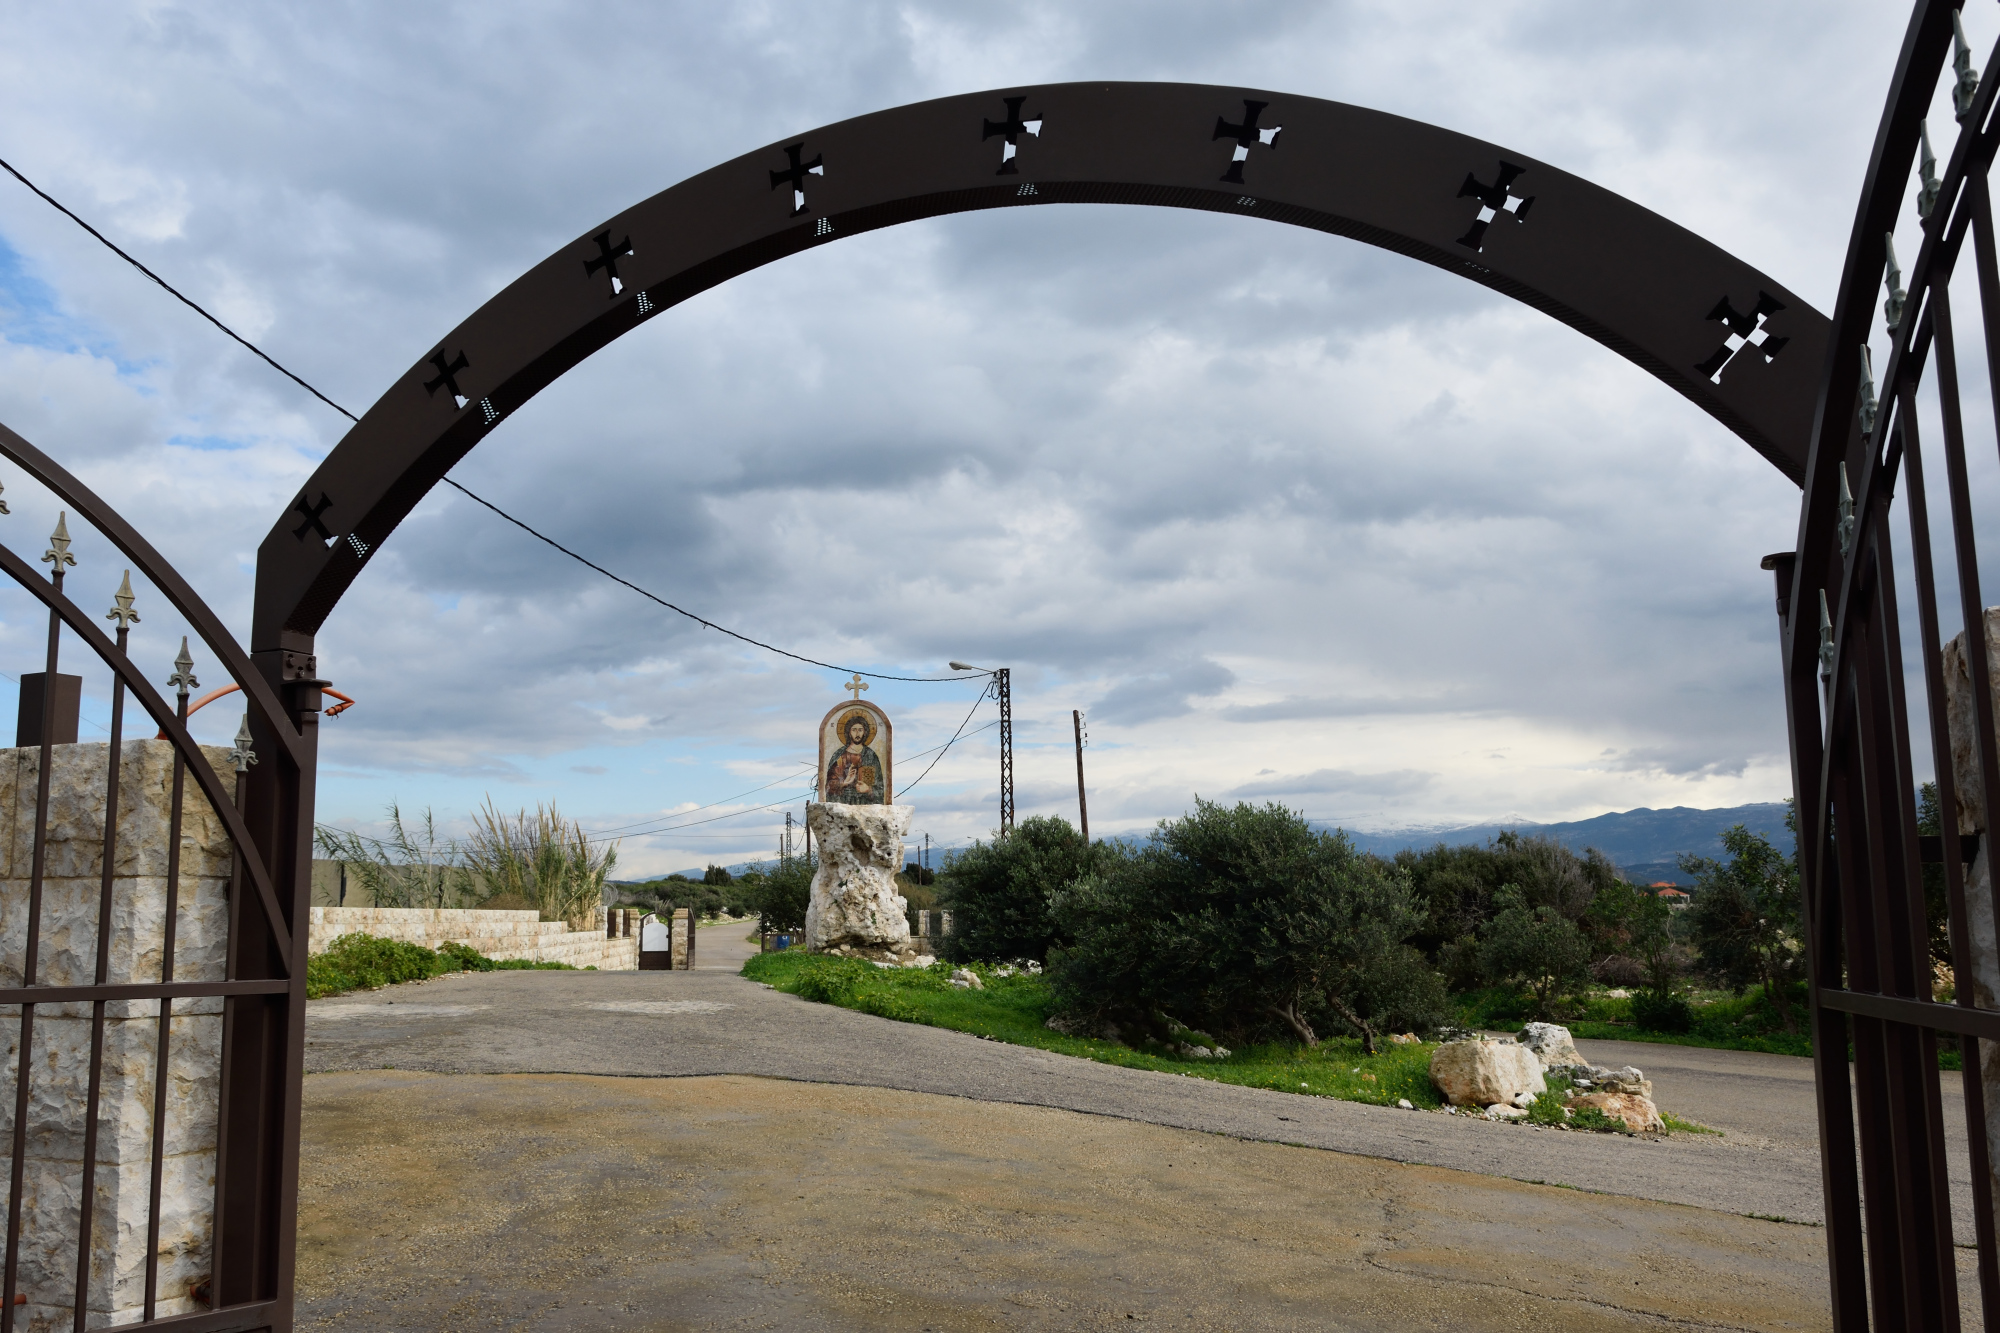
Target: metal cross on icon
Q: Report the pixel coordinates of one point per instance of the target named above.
(855, 686)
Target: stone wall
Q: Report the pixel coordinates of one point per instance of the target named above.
(497, 934)
(60, 1061)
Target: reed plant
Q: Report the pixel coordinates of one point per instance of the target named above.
(540, 858)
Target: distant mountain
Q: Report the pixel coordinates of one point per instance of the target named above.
(1645, 844)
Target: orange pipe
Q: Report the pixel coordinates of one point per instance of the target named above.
(345, 703)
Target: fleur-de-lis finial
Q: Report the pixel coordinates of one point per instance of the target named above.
(1825, 639)
(58, 552)
(1868, 404)
(122, 611)
(1892, 280)
(1846, 513)
(183, 678)
(1929, 185)
(1966, 89)
(243, 756)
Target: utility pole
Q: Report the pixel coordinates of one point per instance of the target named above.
(1082, 806)
(786, 854)
(927, 851)
(1003, 691)
(1002, 687)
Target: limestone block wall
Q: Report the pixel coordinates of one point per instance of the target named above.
(59, 1062)
(497, 934)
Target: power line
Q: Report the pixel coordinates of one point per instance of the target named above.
(948, 744)
(57, 204)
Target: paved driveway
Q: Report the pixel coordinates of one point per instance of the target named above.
(711, 1021)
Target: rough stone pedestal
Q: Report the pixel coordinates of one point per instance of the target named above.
(59, 1064)
(855, 907)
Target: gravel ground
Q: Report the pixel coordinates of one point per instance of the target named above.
(583, 1204)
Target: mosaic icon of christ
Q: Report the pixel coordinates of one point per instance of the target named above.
(855, 775)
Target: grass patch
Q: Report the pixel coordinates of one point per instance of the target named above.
(364, 962)
(1676, 1125)
(1015, 1009)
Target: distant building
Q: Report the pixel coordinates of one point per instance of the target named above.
(1670, 893)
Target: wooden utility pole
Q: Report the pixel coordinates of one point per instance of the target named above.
(1082, 805)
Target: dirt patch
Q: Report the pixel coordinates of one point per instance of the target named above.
(584, 1203)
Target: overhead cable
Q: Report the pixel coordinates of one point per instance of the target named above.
(195, 306)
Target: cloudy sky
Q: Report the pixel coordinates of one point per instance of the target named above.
(1288, 517)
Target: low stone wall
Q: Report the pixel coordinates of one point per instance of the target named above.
(497, 934)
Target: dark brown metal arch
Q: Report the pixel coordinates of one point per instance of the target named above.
(1739, 344)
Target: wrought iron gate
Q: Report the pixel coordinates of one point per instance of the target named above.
(151, 973)
(1856, 745)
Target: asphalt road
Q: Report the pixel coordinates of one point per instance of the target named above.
(713, 1022)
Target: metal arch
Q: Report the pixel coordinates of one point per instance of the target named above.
(1739, 344)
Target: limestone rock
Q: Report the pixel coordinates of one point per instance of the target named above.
(1551, 1044)
(854, 899)
(1638, 1113)
(1502, 1111)
(966, 979)
(1481, 1073)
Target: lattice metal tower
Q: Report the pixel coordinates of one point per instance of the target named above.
(1003, 691)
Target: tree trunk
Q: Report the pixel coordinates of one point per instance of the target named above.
(1360, 1023)
(1298, 1024)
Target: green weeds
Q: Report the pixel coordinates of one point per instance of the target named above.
(1016, 1008)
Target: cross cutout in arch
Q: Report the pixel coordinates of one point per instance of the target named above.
(795, 174)
(1494, 200)
(607, 259)
(447, 377)
(1012, 128)
(1245, 135)
(312, 513)
(1751, 330)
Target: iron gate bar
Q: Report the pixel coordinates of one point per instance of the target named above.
(141, 990)
(225, 807)
(1638, 283)
(182, 680)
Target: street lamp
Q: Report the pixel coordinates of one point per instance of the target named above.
(1003, 691)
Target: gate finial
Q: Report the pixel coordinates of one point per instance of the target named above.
(121, 610)
(1868, 405)
(1846, 513)
(3, 504)
(1967, 87)
(1927, 191)
(183, 678)
(243, 756)
(1892, 279)
(1825, 639)
(58, 551)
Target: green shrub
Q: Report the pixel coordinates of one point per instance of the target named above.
(1662, 1012)
(999, 892)
(781, 893)
(364, 962)
(1244, 922)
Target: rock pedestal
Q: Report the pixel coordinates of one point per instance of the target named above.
(59, 1064)
(855, 907)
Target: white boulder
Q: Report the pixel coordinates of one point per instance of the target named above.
(1485, 1073)
(854, 901)
(1551, 1044)
(1637, 1113)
